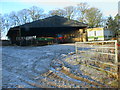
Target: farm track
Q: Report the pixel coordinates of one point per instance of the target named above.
(37, 71)
(53, 79)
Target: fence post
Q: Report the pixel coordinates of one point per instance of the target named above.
(116, 52)
(118, 45)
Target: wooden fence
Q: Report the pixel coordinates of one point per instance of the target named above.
(101, 55)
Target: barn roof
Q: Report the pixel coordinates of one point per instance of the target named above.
(53, 21)
(50, 22)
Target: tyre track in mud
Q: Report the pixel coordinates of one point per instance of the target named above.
(42, 71)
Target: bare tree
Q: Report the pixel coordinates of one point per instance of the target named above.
(59, 12)
(81, 11)
(19, 18)
(35, 13)
(4, 24)
(93, 17)
(15, 19)
(1, 26)
(7, 21)
(24, 16)
(70, 12)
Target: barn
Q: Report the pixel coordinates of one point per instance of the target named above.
(54, 29)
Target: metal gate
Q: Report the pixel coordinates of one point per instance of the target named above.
(102, 55)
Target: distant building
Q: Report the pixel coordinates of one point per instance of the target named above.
(95, 34)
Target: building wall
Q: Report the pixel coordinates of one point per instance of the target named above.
(95, 34)
(108, 34)
(99, 34)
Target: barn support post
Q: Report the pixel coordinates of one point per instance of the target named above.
(84, 35)
(118, 45)
(20, 35)
(80, 35)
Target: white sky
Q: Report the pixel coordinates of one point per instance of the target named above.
(108, 7)
(59, 0)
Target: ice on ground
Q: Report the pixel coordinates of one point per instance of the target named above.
(24, 65)
(22, 62)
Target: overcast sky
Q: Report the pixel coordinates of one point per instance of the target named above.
(107, 7)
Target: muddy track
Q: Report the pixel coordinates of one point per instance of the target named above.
(56, 79)
(63, 79)
(30, 68)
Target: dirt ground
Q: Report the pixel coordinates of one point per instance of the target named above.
(22, 62)
(51, 66)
